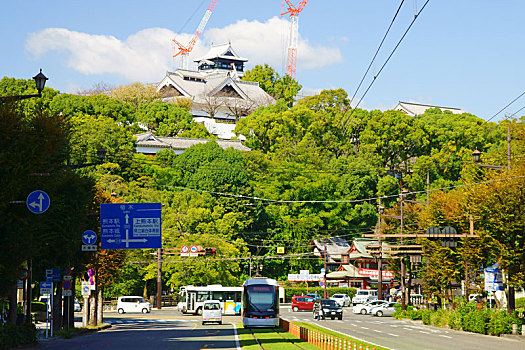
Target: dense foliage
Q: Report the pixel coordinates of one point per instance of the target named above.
(315, 169)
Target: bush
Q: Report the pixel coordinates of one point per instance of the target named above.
(520, 303)
(425, 316)
(500, 322)
(12, 336)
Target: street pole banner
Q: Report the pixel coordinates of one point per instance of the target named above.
(375, 273)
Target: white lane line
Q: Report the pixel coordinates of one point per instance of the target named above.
(357, 321)
(424, 332)
(445, 336)
(407, 329)
(339, 321)
(236, 336)
(393, 325)
(378, 331)
(365, 327)
(392, 334)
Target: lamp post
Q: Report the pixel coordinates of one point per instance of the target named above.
(40, 81)
(476, 155)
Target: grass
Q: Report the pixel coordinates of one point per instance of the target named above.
(269, 339)
(336, 334)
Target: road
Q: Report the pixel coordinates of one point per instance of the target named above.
(168, 328)
(406, 335)
(161, 329)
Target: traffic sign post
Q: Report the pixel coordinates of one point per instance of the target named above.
(38, 202)
(130, 225)
(46, 288)
(194, 251)
(89, 237)
(53, 275)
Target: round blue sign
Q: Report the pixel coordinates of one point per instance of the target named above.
(38, 202)
(89, 237)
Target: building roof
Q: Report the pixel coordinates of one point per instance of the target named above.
(155, 143)
(335, 247)
(413, 109)
(221, 51)
(347, 271)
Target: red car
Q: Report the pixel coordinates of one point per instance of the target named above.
(302, 303)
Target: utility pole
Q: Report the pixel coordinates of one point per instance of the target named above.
(380, 261)
(402, 258)
(325, 293)
(159, 278)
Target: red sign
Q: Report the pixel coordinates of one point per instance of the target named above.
(66, 285)
(194, 249)
(184, 249)
(375, 273)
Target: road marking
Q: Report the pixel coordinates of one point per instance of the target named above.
(393, 325)
(237, 343)
(358, 321)
(424, 332)
(378, 331)
(445, 336)
(365, 327)
(194, 326)
(392, 334)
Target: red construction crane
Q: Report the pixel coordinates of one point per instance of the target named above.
(184, 51)
(294, 33)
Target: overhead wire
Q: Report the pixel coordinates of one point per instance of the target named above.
(385, 63)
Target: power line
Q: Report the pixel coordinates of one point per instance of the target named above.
(377, 51)
(384, 64)
(504, 108)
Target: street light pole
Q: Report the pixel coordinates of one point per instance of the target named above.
(40, 81)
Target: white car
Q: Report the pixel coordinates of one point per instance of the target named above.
(384, 309)
(341, 299)
(132, 304)
(365, 308)
(211, 311)
(77, 306)
(364, 296)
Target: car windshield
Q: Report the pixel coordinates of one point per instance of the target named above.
(337, 296)
(212, 306)
(328, 303)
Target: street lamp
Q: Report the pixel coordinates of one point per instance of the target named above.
(476, 156)
(40, 82)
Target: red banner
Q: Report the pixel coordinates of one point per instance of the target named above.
(375, 273)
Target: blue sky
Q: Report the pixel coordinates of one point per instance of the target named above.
(466, 54)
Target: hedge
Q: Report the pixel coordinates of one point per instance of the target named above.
(294, 291)
(12, 335)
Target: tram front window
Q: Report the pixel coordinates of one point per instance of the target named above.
(261, 298)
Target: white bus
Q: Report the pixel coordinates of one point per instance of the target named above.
(193, 297)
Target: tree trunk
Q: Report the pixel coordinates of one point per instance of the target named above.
(92, 310)
(11, 316)
(100, 304)
(57, 308)
(511, 305)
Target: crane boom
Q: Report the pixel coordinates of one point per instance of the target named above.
(184, 51)
(294, 11)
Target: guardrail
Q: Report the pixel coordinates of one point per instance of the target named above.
(321, 340)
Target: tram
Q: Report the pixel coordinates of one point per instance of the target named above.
(260, 303)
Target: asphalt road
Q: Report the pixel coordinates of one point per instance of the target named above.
(406, 335)
(167, 328)
(161, 329)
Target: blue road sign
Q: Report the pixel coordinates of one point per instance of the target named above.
(53, 275)
(38, 202)
(46, 287)
(130, 225)
(89, 237)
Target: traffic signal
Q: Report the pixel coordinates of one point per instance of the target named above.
(210, 251)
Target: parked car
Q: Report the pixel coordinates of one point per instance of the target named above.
(384, 309)
(77, 306)
(302, 303)
(365, 308)
(211, 311)
(327, 308)
(313, 296)
(342, 299)
(132, 304)
(364, 296)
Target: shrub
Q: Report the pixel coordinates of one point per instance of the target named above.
(12, 336)
(425, 316)
(520, 303)
(454, 320)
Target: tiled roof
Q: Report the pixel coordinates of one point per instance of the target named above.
(182, 143)
(414, 109)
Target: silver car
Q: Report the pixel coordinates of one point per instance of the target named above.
(365, 308)
(341, 299)
(384, 309)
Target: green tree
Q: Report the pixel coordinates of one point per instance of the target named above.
(284, 87)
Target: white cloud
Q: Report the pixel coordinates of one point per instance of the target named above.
(146, 55)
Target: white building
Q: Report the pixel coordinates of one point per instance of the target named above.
(413, 109)
(219, 97)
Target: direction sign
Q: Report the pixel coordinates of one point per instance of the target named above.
(38, 202)
(89, 237)
(46, 287)
(53, 275)
(130, 225)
